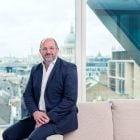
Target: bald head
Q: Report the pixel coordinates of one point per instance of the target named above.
(44, 41)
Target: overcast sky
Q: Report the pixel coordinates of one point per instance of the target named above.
(24, 23)
(98, 37)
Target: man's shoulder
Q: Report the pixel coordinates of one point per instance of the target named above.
(66, 63)
(36, 66)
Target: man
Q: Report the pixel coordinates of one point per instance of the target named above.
(50, 97)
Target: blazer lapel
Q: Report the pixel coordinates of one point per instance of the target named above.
(56, 66)
(39, 79)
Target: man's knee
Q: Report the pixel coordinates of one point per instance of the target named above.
(8, 134)
(5, 135)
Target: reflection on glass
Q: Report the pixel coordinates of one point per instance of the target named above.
(112, 35)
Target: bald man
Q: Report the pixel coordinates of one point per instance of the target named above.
(50, 97)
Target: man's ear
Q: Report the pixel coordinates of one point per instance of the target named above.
(40, 50)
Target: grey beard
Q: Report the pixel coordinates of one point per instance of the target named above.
(47, 61)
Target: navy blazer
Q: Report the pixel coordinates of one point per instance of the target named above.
(60, 95)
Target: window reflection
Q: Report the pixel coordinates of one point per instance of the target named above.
(111, 30)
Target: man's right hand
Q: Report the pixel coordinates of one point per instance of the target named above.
(40, 118)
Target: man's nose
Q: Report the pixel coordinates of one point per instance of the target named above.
(48, 51)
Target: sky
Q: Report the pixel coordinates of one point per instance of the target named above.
(24, 23)
(98, 37)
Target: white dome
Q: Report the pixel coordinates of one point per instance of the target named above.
(70, 39)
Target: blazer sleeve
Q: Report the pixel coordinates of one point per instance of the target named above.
(70, 95)
(28, 95)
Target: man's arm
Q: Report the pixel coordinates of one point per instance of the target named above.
(70, 95)
(39, 116)
(28, 95)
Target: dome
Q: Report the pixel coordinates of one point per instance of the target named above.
(70, 39)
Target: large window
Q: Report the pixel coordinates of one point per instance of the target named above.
(105, 47)
(23, 24)
(112, 48)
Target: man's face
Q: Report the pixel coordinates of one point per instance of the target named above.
(49, 51)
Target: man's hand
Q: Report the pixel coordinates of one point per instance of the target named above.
(40, 118)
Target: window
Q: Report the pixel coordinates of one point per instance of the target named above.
(104, 45)
(23, 25)
(113, 39)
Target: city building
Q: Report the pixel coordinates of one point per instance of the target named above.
(95, 67)
(68, 49)
(123, 74)
(14, 74)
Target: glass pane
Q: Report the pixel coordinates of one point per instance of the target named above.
(112, 49)
(23, 24)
